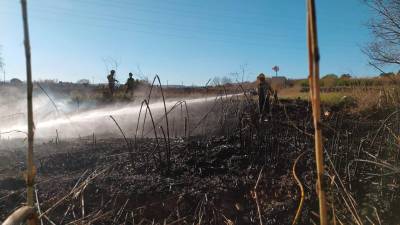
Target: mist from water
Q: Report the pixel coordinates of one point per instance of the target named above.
(65, 120)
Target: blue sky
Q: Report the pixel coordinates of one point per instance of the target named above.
(183, 41)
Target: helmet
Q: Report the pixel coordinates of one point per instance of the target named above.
(261, 77)
(130, 74)
(112, 71)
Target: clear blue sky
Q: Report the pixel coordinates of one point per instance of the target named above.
(181, 40)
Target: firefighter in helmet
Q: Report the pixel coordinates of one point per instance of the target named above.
(111, 81)
(264, 93)
(130, 85)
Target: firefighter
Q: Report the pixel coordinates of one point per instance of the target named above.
(264, 93)
(111, 81)
(130, 85)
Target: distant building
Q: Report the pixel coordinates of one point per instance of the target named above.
(279, 82)
(16, 81)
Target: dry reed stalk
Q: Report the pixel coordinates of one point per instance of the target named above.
(179, 103)
(350, 204)
(255, 196)
(38, 205)
(205, 115)
(148, 101)
(315, 99)
(30, 174)
(167, 123)
(154, 129)
(187, 122)
(165, 142)
(165, 115)
(128, 145)
(383, 125)
(78, 187)
(137, 123)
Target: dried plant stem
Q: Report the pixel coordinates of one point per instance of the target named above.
(128, 145)
(30, 175)
(38, 205)
(154, 129)
(167, 123)
(298, 212)
(315, 99)
(166, 147)
(256, 197)
(179, 103)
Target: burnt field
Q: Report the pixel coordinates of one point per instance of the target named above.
(231, 168)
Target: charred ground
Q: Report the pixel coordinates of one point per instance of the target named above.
(211, 177)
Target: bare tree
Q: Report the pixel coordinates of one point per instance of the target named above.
(243, 69)
(111, 63)
(385, 27)
(144, 78)
(226, 80)
(239, 76)
(2, 65)
(216, 81)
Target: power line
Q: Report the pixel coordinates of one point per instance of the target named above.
(273, 14)
(98, 18)
(235, 35)
(127, 20)
(182, 13)
(284, 46)
(229, 38)
(161, 34)
(189, 14)
(158, 11)
(230, 35)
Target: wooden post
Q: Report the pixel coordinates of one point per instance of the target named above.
(315, 99)
(30, 173)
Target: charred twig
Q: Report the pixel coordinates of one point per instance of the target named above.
(383, 124)
(76, 189)
(254, 192)
(154, 128)
(179, 103)
(349, 204)
(167, 123)
(166, 147)
(128, 145)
